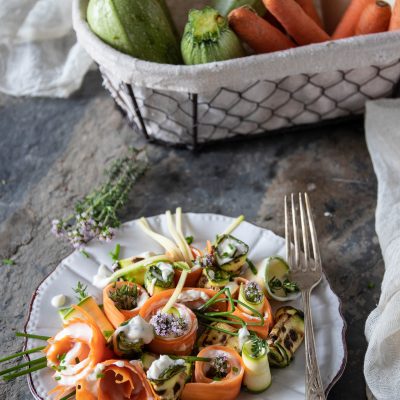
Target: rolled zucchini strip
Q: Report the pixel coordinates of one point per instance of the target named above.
(159, 277)
(168, 377)
(250, 293)
(286, 336)
(257, 375)
(216, 277)
(230, 253)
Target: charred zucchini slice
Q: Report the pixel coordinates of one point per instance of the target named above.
(217, 336)
(230, 253)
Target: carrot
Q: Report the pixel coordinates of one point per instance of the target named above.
(259, 34)
(119, 379)
(348, 23)
(309, 7)
(192, 277)
(205, 388)
(395, 20)
(78, 347)
(181, 345)
(375, 18)
(300, 26)
(115, 315)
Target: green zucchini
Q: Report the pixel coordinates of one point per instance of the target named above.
(230, 253)
(216, 277)
(159, 277)
(277, 280)
(170, 383)
(226, 6)
(139, 28)
(218, 335)
(257, 375)
(286, 336)
(208, 38)
(252, 295)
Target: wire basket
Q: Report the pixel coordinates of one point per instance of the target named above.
(194, 106)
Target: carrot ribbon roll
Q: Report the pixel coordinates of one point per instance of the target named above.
(122, 300)
(75, 351)
(116, 379)
(395, 20)
(216, 380)
(175, 331)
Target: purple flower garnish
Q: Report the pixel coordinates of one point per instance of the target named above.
(168, 324)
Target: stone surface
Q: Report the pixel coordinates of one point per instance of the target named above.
(52, 152)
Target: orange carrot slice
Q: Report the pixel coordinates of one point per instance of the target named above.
(77, 349)
(119, 379)
(300, 26)
(181, 345)
(395, 20)
(205, 388)
(309, 7)
(259, 34)
(375, 18)
(115, 315)
(348, 23)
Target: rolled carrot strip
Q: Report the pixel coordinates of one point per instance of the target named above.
(75, 351)
(348, 23)
(180, 345)
(309, 7)
(375, 18)
(205, 388)
(195, 273)
(248, 318)
(117, 315)
(119, 379)
(395, 20)
(298, 24)
(259, 34)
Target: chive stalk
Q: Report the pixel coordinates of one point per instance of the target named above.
(25, 371)
(17, 367)
(22, 353)
(31, 336)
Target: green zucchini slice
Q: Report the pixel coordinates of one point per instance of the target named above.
(230, 253)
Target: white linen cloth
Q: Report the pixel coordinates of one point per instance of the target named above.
(39, 55)
(382, 330)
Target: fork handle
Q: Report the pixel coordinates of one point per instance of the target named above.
(314, 387)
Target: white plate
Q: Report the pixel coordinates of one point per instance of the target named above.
(288, 383)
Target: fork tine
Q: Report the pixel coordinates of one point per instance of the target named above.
(304, 230)
(314, 240)
(288, 244)
(295, 234)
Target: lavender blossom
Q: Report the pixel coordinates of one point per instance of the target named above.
(219, 366)
(168, 324)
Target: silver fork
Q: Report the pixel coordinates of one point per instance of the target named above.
(306, 271)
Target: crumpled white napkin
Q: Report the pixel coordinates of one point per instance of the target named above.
(39, 55)
(382, 360)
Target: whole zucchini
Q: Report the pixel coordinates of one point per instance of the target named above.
(139, 28)
(208, 38)
(226, 6)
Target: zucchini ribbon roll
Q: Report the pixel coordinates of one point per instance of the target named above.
(159, 277)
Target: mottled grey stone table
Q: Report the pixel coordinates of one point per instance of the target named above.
(54, 151)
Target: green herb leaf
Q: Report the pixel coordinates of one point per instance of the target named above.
(252, 267)
(81, 291)
(189, 240)
(124, 297)
(85, 253)
(115, 254)
(8, 261)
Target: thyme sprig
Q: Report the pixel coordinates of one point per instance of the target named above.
(286, 285)
(125, 297)
(96, 215)
(81, 291)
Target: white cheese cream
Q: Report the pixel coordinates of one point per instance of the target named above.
(137, 329)
(160, 365)
(244, 336)
(58, 301)
(192, 295)
(102, 278)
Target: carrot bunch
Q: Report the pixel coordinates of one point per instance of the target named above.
(291, 23)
